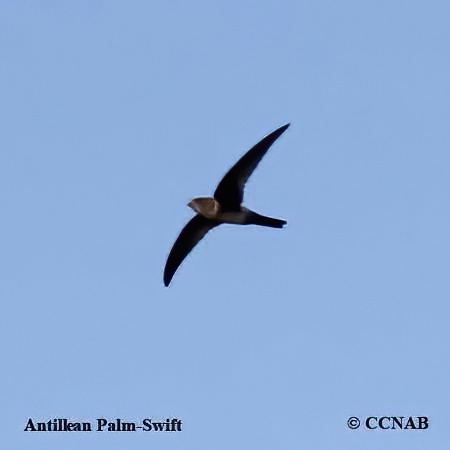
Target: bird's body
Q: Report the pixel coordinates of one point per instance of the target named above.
(210, 208)
(224, 207)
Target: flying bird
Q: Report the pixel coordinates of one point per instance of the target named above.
(224, 207)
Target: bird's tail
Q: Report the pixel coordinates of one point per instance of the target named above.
(264, 221)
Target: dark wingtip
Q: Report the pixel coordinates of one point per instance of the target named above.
(167, 280)
(279, 131)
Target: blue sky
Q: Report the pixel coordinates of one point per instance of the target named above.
(115, 114)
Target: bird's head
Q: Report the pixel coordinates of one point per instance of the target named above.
(206, 206)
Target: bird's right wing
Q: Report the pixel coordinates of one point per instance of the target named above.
(230, 191)
(190, 235)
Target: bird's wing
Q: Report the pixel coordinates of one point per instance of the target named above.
(190, 235)
(230, 191)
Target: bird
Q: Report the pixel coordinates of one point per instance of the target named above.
(224, 207)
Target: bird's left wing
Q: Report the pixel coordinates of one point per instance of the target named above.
(230, 191)
(190, 235)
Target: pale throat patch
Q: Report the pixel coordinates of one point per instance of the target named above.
(206, 206)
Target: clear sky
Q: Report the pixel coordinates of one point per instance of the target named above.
(114, 114)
